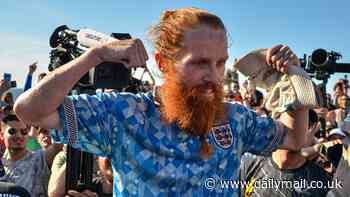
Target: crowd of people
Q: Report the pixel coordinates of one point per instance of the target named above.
(168, 140)
(317, 161)
(32, 164)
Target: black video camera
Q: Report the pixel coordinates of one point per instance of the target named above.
(69, 44)
(321, 64)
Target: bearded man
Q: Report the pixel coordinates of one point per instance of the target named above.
(181, 140)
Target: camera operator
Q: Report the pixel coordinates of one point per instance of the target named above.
(165, 145)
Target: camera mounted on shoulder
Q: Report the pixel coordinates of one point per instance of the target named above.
(69, 44)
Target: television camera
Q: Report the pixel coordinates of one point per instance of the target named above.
(321, 64)
(69, 44)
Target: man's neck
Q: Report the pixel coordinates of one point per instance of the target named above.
(286, 159)
(15, 154)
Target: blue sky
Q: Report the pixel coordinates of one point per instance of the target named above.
(303, 25)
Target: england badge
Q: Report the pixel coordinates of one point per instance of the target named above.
(223, 136)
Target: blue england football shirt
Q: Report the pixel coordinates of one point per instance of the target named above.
(152, 158)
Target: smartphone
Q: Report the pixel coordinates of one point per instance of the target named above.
(7, 77)
(2, 105)
(13, 84)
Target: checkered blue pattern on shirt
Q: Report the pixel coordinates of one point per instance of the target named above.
(151, 158)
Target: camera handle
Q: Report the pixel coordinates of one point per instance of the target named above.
(79, 168)
(324, 104)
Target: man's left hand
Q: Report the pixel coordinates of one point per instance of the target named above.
(280, 57)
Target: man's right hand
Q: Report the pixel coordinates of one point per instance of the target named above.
(38, 106)
(131, 52)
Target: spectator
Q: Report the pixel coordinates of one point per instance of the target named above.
(8, 98)
(342, 174)
(234, 94)
(283, 165)
(252, 97)
(27, 169)
(44, 137)
(336, 134)
(326, 154)
(4, 85)
(340, 89)
(335, 152)
(10, 95)
(32, 142)
(336, 117)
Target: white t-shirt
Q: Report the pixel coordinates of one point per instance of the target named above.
(30, 172)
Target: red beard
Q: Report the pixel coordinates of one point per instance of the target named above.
(190, 109)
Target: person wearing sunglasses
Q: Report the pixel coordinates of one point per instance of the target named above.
(22, 167)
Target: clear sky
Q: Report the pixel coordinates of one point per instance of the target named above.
(303, 25)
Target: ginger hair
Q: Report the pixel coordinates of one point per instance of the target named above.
(167, 36)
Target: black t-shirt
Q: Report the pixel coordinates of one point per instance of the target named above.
(342, 175)
(292, 183)
(12, 190)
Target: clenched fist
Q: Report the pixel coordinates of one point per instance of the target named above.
(131, 52)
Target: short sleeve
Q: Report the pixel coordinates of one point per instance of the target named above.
(92, 123)
(260, 135)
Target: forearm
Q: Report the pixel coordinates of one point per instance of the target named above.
(28, 82)
(297, 124)
(56, 187)
(43, 99)
(309, 152)
(51, 153)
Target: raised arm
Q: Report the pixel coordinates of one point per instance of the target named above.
(51, 153)
(296, 123)
(29, 77)
(38, 106)
(280, 57)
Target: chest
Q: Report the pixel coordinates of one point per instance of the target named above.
(166, 153)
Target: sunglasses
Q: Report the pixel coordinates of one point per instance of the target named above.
(13, 131)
